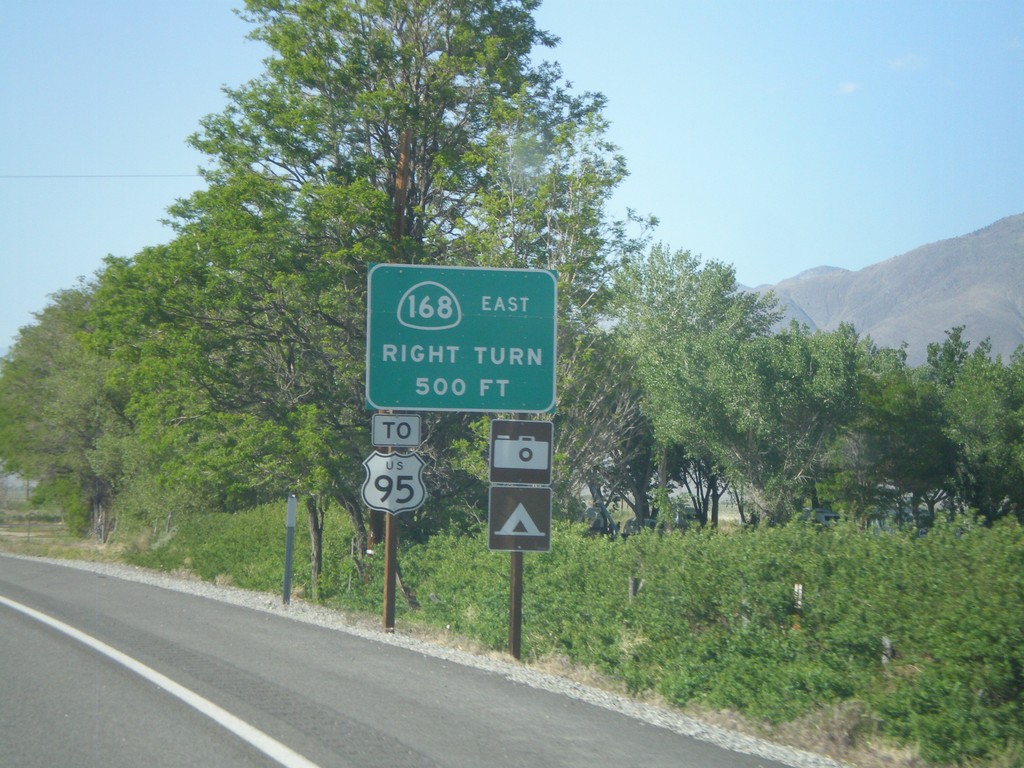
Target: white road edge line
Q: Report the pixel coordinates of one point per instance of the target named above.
(268, 745)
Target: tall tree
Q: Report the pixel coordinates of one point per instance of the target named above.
(983, 407)
(370, 137)
(789, 396)
(550, 176)
(982, 402)
(606, 432)
(55, 411)
(679, 319)
(398, 95)
(895, 454)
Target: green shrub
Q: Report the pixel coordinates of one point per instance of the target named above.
(576, 599)
(461, 586)
(65, 494)
(957, 685)
(245, 549)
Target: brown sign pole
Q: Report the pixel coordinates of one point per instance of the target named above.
(393, 484)
(390, 550)
(519, 504)
(390, 570)
(515, 605)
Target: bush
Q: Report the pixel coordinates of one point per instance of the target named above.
(957, 685)
(65, 494)
(245, 549)
(461, 586)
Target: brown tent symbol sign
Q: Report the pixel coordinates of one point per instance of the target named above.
(519, 519)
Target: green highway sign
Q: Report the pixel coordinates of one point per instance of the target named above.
(460, 338)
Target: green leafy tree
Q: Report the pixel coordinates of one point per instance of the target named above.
(983, 409)
(680, 319)
(55, 411)
(945, 361)
(1015, 376)
(550, 174)
(789, 394)
(896, 452)
(372, 136)
(982, 401)
(748, 406)
(242, 350)
(396, 95)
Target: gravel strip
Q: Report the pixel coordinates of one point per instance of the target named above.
(323, 617)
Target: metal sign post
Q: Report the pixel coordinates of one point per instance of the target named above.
(394, 484)
(519, 504)
(289, 545)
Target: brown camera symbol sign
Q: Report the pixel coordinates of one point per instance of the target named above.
(521, 452)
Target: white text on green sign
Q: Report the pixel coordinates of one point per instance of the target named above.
(461, 338)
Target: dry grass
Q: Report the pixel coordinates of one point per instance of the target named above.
(848, 732)
(46, 538)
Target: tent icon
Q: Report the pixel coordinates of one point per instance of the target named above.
(520, 523)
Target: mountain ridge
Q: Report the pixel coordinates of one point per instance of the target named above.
(974, 280)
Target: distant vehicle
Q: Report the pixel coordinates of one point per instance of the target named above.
(683, 519)
(633, 525)
(600, 522)
(820, 516)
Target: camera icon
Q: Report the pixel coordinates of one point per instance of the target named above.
(520, 453)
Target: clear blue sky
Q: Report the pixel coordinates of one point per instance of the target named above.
(775, 136)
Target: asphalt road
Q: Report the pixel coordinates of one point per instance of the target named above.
(334, 698)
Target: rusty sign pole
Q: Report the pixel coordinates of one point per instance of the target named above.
(390, 554)
(515, 605)
(390, 570)
(515, 599)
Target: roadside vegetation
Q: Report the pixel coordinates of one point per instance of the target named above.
(891, 638)
(166, 406)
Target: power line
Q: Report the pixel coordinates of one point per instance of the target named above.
(102, 176)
